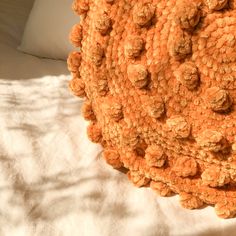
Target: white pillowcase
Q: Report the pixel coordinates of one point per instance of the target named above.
(47, 30)
(13, 16)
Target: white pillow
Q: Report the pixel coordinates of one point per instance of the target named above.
(13, 16)
(47, 30)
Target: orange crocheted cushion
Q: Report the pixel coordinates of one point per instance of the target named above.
(159, 80)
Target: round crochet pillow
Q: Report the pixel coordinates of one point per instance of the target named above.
(159, 82)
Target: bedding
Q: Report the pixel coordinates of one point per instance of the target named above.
(47, 29)
(12, 20)
(53, 181)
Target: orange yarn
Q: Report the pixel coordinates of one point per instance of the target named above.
(159, 79)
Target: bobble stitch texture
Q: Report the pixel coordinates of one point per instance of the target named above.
(179, 126)
(154, 106)
(80, 6)
(216, 4)
(218, 99)
(155, 156)
(215, 177)
(185, 167)
(77, 87)
(96, 54)
(133, 46)
(112, 157)
(187, 74)
(87, 111)
(138, 75)
(76, 35)
(113, 109)
(138, 180)
(102, 23)
(143, 13)
(74, 61)
(100, 84)
(211, 140)
(187, 15)
(94, 133)
(159, 81)
(189, 201)
(161, 188)
(225, 209)
(181, 45)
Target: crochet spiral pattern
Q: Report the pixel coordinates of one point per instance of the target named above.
(159, 82)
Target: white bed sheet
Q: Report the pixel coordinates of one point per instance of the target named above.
(53, 181)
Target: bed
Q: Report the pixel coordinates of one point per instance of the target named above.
(53, 180)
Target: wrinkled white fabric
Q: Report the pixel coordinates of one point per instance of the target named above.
(53, 181)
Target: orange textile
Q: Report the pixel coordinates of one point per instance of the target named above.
(159, 80)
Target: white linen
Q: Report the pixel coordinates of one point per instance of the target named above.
(47, 30)
(53, 181)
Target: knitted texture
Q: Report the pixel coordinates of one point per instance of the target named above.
(159, 80)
